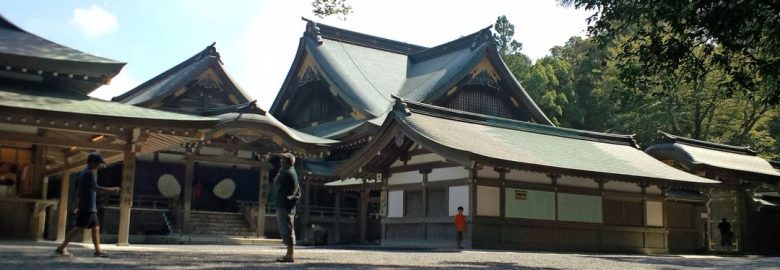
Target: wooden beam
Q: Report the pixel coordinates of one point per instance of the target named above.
(225, 160)
(65, 143)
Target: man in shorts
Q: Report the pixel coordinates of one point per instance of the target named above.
(285, 194)
(86, 216)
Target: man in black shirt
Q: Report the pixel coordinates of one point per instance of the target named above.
(86, 216)
(285, 194)
(726, 236)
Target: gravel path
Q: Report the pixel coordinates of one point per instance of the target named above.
(40, 255)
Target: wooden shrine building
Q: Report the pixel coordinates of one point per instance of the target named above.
(48, 125)
(471, 136)
(219, 183)
(748, 196)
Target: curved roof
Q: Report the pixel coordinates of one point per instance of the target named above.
(519, 144)
(367, 71)
(21, 49)
(696, 153)
(258, 121)
(168, 82)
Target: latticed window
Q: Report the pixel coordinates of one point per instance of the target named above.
(482, 100)
(314, 103)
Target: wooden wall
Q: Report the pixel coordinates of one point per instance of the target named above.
(531, 210)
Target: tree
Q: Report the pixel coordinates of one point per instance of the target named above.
(324, 8)
(739, 37)
(505, 37)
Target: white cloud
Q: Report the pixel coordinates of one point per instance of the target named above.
(94, 21)
(121, 83)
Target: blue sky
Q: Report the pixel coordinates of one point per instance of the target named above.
(257, 39)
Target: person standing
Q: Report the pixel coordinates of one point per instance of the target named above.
(460, 226)
(86, 216)
(726, 236)
(285, 194)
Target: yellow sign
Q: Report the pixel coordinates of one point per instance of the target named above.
(521, 195)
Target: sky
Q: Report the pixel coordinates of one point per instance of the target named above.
(257, 40)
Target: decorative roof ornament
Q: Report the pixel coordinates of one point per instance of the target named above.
(483, 36)
(483, 78)
(313, 29)
(309, 75)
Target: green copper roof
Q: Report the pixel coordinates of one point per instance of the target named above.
(484, 137)
(366, 71)
(40, 100)
(30, 54)
(696, 153)
(168, 82)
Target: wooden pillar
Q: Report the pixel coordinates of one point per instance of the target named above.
(305, 226)
(261, 198)
(364, 197)
(38, 215)
(425, 173)
(62, 208)
(472, 218)
(337, 214)
(189, 168)
(126, 195)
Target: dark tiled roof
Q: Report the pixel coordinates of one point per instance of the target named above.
(20, 49)
(367, 71)
(697, 153)
(166, 83)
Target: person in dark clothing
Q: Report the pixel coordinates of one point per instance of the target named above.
(285, 193)
(726, 236)
(86, 216)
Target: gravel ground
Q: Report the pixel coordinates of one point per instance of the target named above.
(40, 255)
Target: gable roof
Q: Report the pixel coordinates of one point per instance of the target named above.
(366, 71)
(24, 52)
(699, 155)
(522, 145)
(167, 83)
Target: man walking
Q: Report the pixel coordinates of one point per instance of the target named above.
(460, 226)
(285, 195)
(86, 217)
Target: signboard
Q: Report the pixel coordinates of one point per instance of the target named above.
(521, 195)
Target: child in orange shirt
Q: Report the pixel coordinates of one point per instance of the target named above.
(460, 226)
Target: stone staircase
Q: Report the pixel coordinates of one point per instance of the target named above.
(220, 224)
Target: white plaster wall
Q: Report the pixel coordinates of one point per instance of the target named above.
(452, 173)
(211, 151)
(654, 190)
(405, 178)
(488, 172)
(395, 203)
(459, 196)
(655, 213)
(488, 201)
(622, 186)
(425, 158)
(582, 182)
(526, 176)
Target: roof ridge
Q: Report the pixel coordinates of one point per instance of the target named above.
(409, 107)
(668, 137)
(7, 24)
(210, 50)
(471, 40)
(319, 31)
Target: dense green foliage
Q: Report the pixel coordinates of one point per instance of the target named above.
(586, 84)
